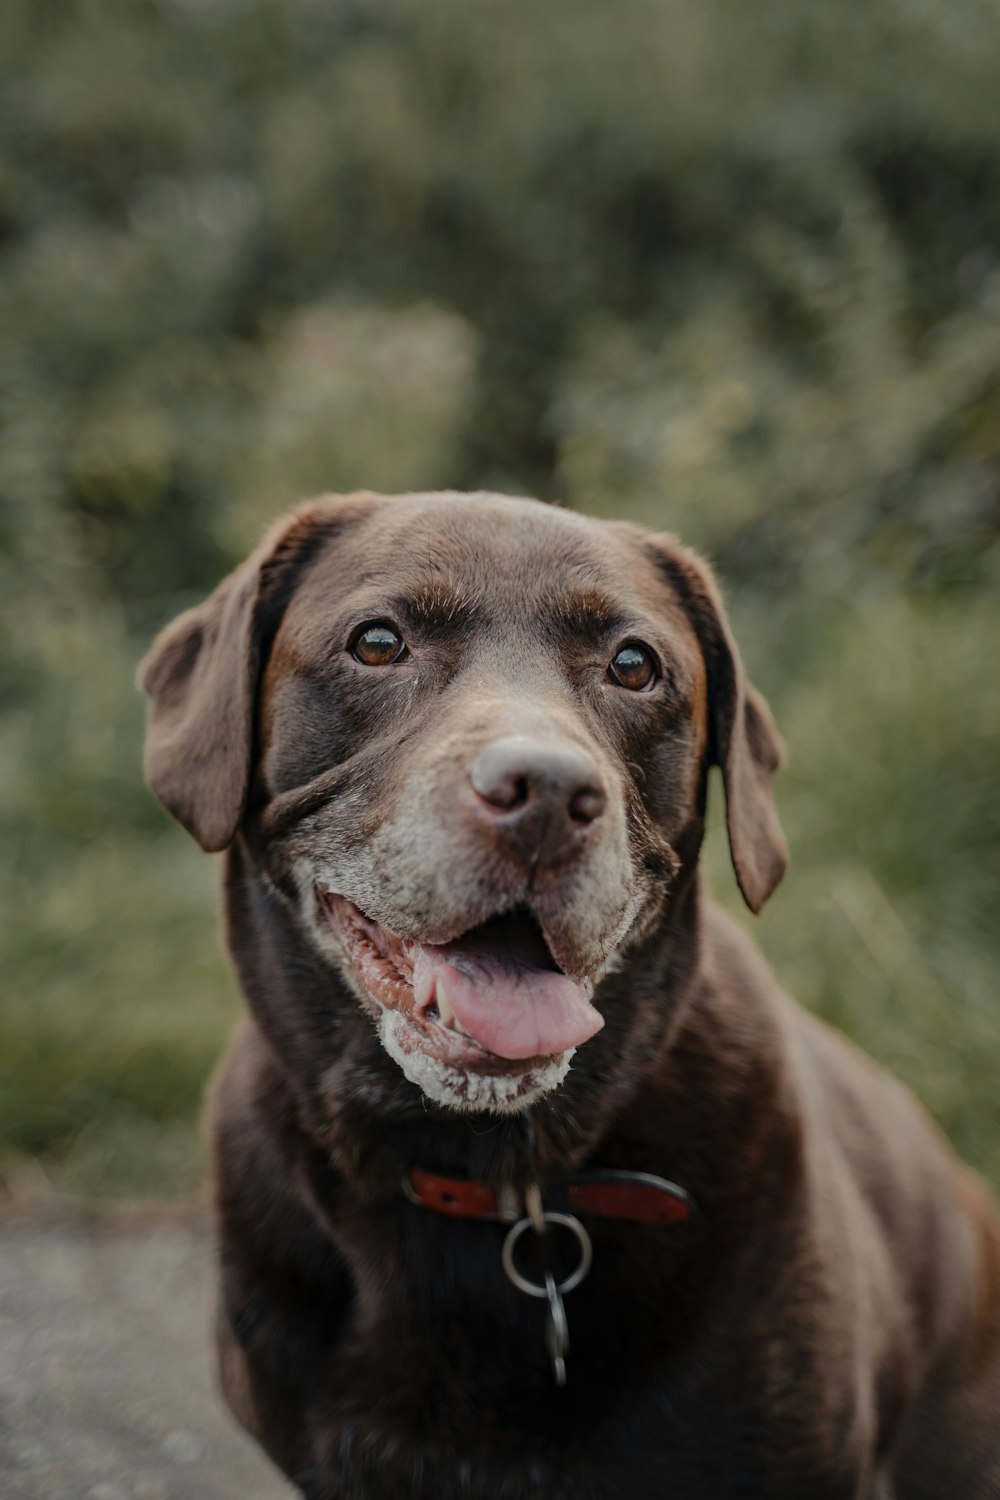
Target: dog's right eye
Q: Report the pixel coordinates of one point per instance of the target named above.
(378, 646)
(634, 668)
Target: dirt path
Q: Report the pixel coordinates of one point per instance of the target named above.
(107, 1388)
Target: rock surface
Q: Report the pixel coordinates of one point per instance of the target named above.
(107, 1380)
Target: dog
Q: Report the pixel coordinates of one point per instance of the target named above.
(530, 1181)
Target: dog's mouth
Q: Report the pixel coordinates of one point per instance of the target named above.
(493, 1001)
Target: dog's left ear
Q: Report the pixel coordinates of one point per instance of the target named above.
(202, 672)
(743, 741)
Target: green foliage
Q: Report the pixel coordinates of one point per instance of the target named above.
(732, 271)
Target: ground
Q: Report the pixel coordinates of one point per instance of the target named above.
(107, 1381)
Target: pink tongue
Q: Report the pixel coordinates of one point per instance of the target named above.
(508, 1004)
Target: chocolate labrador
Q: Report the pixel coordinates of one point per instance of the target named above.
(530, 1180)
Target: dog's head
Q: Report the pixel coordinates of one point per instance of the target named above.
(465, 740)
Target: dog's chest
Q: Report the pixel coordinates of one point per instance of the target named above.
(443, 1388)
(631, 1445)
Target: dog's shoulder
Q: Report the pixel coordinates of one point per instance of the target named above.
(882, 1179)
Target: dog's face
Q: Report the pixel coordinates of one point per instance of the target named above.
(466, 741)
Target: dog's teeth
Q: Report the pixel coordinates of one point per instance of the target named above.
(444, 1008)
(446, 1015)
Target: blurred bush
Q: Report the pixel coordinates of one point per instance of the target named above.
(730, 270)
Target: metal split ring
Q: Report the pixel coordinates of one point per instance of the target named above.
(539, 1288)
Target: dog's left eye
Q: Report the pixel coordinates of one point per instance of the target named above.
(379, 646)
(634, 667)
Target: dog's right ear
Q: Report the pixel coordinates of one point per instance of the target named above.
(202, 672)
(743, 741)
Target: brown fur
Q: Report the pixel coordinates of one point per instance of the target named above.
(830, 1324)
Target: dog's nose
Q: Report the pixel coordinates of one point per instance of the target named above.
(521, 781)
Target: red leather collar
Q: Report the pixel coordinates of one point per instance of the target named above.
(638, 1197)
